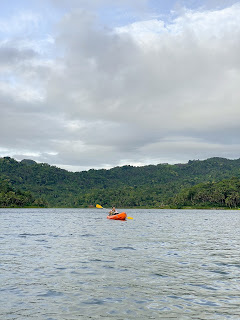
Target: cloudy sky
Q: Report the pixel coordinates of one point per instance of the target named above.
(103, 83)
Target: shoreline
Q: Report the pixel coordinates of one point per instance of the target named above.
(137, 208)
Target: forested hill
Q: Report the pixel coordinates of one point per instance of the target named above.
(225, 193)
(11, 197)
(151, 185)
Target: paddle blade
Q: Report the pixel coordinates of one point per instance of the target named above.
(129, 217)
(98, 206)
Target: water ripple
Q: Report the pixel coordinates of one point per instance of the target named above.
(123, 248)
(62, 264)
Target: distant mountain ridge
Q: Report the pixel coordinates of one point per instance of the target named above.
(151, 185)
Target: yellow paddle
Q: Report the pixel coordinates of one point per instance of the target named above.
(100, 207)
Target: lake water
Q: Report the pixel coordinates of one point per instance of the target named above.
(71, 264)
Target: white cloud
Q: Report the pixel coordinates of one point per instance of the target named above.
(127, 95)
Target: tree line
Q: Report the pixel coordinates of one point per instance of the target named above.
(10, 197)
(225, 193)
(179, 185)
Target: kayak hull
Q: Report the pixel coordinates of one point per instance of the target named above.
(119, 216)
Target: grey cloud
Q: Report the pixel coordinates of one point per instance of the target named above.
(14, 55)
(24, 131)
(113, 76)
(99, 3)
(134, 96)
(181, 84)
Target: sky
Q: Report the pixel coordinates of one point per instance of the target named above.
(103, 83)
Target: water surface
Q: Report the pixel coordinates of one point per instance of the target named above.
(69, 264)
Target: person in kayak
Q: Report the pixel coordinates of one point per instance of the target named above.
(113, 211)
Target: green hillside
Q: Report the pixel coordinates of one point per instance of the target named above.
(127, 186)
(225, 193)
(11, 197)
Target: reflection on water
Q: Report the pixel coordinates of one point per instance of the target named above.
(67, 264)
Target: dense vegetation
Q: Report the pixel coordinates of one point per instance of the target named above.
(127, 186)
(9, 197)
(225, 193)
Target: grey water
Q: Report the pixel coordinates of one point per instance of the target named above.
(69, 264)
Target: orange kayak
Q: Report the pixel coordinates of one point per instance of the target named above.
(118, 216)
